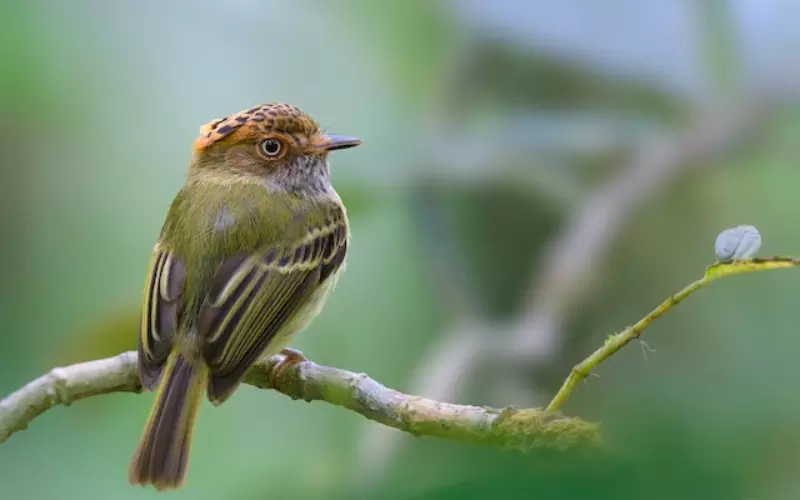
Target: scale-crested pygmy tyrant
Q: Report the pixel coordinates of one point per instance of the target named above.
(249, 252)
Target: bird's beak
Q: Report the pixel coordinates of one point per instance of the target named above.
(334, 142)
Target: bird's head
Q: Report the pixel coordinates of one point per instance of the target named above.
(276, 142)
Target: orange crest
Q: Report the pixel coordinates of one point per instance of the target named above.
(256, 121)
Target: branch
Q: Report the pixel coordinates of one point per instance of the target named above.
(617, 341)
(520, 430)
(508, 428)
(576, 255)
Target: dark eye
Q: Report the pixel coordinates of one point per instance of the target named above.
(271, 148)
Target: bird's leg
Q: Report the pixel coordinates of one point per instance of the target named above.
(291, 357)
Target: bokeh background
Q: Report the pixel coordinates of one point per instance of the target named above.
(534, 176)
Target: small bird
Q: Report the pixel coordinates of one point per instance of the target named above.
(251, 247)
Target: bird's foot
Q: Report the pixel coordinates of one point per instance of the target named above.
(291, 357)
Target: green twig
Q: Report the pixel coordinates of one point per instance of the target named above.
(617, 341)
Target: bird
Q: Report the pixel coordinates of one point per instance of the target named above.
(251, 247)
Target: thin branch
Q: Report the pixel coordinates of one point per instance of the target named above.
(619, 340)
(576, 255)
(63, 386)
(520, 430)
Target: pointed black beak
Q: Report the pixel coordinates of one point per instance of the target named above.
(334, 142)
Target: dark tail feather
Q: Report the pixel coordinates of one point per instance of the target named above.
(163, 453)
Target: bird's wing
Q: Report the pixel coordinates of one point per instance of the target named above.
(165, 278)
(253, 296)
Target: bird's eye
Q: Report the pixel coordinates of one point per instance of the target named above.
(271, 148)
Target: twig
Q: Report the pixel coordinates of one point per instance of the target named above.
(63, 386)
(508, 428)
(619, 340)
(575, 257)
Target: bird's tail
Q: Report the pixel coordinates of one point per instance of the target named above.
(163, 453)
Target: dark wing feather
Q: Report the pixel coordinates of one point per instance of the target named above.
(160, 309)
(254, 297)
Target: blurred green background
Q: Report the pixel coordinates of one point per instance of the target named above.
(534, 176)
